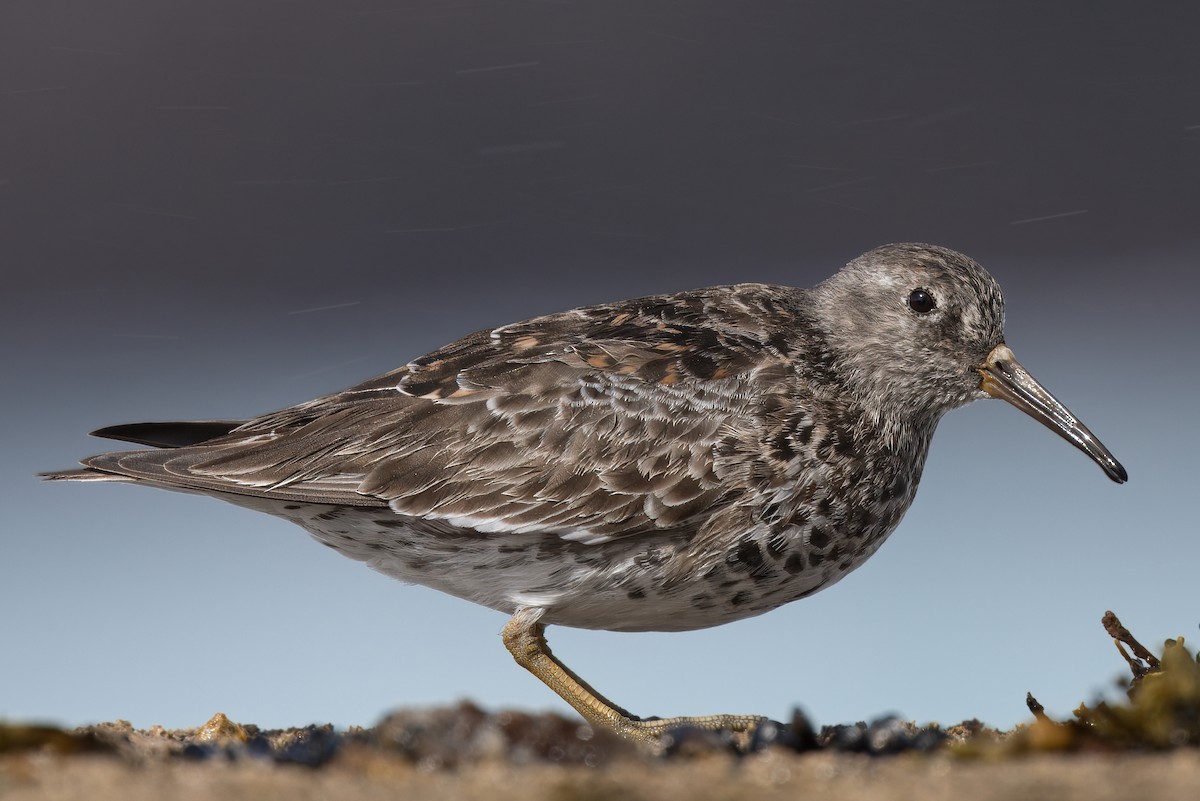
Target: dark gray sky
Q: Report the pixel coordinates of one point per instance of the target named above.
(213, 209)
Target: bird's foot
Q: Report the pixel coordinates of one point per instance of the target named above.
(525, 639)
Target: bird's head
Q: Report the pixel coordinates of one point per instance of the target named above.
(916, 330)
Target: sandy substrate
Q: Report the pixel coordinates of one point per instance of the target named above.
(768, 775)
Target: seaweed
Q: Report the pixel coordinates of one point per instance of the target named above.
(1161, 709)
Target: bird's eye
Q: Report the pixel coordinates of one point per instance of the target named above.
(920, 301)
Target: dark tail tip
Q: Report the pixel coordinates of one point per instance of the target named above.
(169, 435)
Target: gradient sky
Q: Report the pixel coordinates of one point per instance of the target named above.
(214, 209)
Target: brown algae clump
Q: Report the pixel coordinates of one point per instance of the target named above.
(1162, 711)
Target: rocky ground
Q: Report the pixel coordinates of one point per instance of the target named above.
(463, 753)
(1148, 747)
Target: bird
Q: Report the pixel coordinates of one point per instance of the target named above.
(666, 463)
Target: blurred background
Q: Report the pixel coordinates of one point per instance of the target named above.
(215, 209)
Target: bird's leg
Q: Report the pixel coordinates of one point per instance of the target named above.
(525, 639)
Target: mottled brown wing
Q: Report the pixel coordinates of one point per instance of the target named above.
(594, 423)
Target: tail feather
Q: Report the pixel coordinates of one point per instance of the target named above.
(82, 474)
(171, 435)
(177, 434)
(173, 469)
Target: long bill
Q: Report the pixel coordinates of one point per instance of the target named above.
(1005, 378)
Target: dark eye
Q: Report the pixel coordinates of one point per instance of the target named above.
(921, 301)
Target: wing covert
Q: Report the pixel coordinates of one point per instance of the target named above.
(595, 423)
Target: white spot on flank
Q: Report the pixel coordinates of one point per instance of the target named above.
(534, 599)
(585, 536)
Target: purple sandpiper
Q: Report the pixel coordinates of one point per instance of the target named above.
(666, 463)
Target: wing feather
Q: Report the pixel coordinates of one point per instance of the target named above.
(595, 423)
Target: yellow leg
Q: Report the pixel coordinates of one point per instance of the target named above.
(525, 639)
